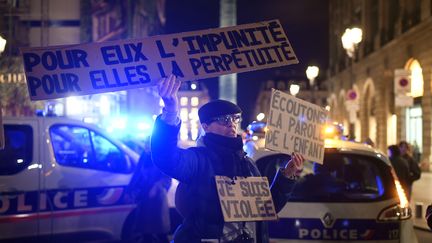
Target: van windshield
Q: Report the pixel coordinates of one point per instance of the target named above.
(344, 178)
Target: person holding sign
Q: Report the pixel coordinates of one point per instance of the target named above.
(220, 155)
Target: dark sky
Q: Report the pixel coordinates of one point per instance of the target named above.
(305, 23)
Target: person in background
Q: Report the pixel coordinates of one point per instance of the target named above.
(429, 216)
(400, 166)
(221, 153)
(149, 187)
(414, 168)
(369, 142)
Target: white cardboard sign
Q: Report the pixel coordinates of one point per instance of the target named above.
(245, 199)
(295, 125)
(62, 71)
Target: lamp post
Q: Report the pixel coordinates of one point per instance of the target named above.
(2, 44)
(350, 40)
(311, 74)
(294, 89)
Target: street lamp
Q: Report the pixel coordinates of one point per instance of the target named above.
(350, 40)
(311, 74)
(2, 44)
(294, 89)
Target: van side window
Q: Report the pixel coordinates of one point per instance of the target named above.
(18, 152)
(80, 147)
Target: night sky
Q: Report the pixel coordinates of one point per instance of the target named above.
(305, 23)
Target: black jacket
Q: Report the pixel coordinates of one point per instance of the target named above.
(196, 168)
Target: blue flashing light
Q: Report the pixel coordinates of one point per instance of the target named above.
(129, 126)
(345, 223)
(380, 185)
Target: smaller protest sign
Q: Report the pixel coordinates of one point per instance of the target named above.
(295, 125)
(245, 199)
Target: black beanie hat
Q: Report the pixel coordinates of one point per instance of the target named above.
(217, 108)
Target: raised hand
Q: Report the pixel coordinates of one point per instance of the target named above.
(168, 89)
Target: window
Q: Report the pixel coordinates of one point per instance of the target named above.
(342, 178)
(18, 151)
(184, 101)
(414, 125)
(345, 178)
(80, 147)
(194, 101)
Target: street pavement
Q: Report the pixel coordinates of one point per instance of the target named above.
(421, 198)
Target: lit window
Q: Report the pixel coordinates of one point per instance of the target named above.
(194, 133)
(184, 114)
(105, 105)
(183, 134)
(193, 124)
(194, 101)
(416, 79)
(183, 101)
(194, 114)
(74, 106)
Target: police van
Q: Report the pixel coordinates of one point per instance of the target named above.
(63, 179)
(354, 196)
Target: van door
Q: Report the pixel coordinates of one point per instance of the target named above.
(20, 180)
(87, 180)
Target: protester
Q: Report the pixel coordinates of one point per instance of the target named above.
(414, 168)
(149, 187)
(220, 153)
(400, 166)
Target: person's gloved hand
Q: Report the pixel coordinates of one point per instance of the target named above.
(294, 167)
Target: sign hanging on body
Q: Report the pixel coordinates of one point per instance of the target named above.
(62, 71)
(295, 125)
(245, 199)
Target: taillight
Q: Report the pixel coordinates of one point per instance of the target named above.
(397, 212)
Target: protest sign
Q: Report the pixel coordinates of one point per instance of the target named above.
(295, 125)
(61, 71)
(245, 199)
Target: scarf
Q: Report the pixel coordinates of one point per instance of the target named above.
(230, 153)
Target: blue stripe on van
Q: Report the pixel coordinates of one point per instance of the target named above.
(27, 202)
(342, 229)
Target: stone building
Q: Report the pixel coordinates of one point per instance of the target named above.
(396, 36)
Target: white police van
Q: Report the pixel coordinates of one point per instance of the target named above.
(63, 179)
(353, 197)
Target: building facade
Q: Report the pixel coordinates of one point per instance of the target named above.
(396, 37)
(62, 22)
